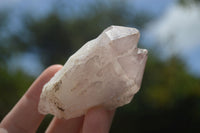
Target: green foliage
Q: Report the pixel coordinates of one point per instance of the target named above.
(12, 87)
(188, 2)
(168, 101)
(169, 97)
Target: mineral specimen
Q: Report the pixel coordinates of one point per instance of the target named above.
(106, 71)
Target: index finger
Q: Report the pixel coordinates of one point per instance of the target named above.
(24, 117)
(98, 120)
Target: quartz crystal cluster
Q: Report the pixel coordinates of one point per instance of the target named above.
(106, 71)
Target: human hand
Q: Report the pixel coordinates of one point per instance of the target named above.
(25, 118)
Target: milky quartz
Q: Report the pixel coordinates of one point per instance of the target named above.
(106, 71)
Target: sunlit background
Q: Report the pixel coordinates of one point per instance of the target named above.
(37, 33)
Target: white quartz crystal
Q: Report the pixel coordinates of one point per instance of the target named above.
(106, 71)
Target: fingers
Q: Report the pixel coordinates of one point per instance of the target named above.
(62, 126)
(24, 117)
(97, 120)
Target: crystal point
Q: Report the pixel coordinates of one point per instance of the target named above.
(106, 71)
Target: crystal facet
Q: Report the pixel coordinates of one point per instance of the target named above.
(106, 71)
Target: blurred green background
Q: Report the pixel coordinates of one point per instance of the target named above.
(35, 34)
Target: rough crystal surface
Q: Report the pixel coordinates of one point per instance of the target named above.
(106, 71)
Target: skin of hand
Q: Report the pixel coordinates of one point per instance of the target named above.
(25, 118)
